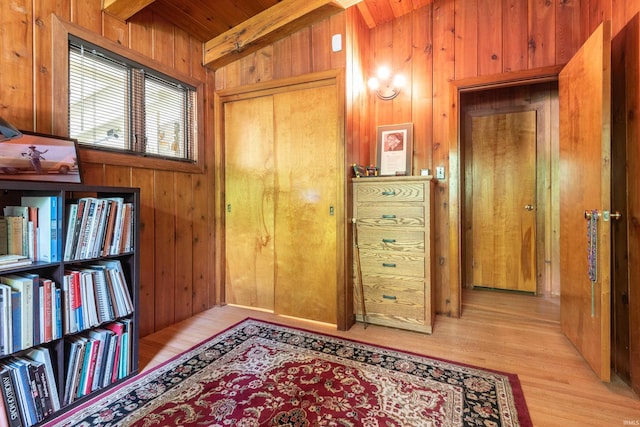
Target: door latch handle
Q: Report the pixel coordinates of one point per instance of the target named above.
(528, 207)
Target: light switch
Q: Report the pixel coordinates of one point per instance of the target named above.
(336, 42)
(440, 172)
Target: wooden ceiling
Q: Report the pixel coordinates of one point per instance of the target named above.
(230, 28)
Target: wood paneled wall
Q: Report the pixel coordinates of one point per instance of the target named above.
(176, 224)
(432, 46)
(443, 41)
(453, 40)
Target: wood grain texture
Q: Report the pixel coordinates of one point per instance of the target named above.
(145, 180)
(43, 63)
(124, 9)
(164, 205)
(285, 17)
(446, 195)
(498, 330)
(514, 35)
(306, 207)
(625, 307)
(16, 84)
(503, 149)
(183, 246)
(490, 38)
(393, 247)
(430, 89)
(585, 184)
(466, 40)
(632, 107)
(422, 88)
(249, 199)
(542, 24)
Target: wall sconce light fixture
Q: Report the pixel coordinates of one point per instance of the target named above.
(385, 85)
(8, 131)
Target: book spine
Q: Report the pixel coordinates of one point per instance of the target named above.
(71, 226)
(33, 390)
(20, 376)
(5, 317)
(10, 399)
(80, 218)
(109, 359)
(55, 230)
(56, 321)
(36, 303)
(16, 319)
(44, 390)
(3, 236)
(47, 313)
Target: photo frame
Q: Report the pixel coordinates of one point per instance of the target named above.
(40, 157)
(395, 149)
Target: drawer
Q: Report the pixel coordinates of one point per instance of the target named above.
(390, 214)
(390, 192)
(391, 239)
(392, 264)
(397, 299)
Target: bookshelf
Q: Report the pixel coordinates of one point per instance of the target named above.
(75, 280)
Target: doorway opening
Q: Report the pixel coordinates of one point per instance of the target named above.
(507, 140)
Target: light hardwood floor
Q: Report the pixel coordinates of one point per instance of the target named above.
(497, 330)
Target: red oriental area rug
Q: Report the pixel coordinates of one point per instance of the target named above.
(263, 374)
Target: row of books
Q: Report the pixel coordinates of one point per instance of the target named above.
(32, 229)
(29, 393)
(98, 227)
(30, 311)
(97, 358)
(95, 294)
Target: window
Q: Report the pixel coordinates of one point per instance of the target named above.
(117, 104)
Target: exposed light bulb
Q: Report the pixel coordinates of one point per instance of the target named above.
(399, 81)
(373, 83)
(384, 85)
(384, 73)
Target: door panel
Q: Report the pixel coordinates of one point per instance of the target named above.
(626, 198)
(503, 178)
(585, 185)
(306, 170)
(249, 193)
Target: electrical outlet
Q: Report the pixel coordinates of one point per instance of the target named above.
(440, 172)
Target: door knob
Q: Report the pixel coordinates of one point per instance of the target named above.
(528, 207)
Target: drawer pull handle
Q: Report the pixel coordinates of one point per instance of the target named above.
(393, 297)
(389, 193)
(388, 264)
(391, 216)
(388, 240)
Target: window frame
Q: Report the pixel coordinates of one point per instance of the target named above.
(60, 103)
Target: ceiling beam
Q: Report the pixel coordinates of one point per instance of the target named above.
(268, 26)
(124, 9)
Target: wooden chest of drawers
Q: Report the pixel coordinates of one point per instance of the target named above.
(393, 220)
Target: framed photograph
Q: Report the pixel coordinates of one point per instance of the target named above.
(395, 149)
(40, 157)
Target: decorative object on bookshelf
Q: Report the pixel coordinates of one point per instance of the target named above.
(39, 157)
(8, 131)
(318, 379)
(68, 328)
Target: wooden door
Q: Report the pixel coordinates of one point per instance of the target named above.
(307, 210)
(249, 197)
(503, 150)
(585, 185)
(625, 350)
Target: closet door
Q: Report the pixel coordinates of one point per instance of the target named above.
(249, 197)
(306, 211)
